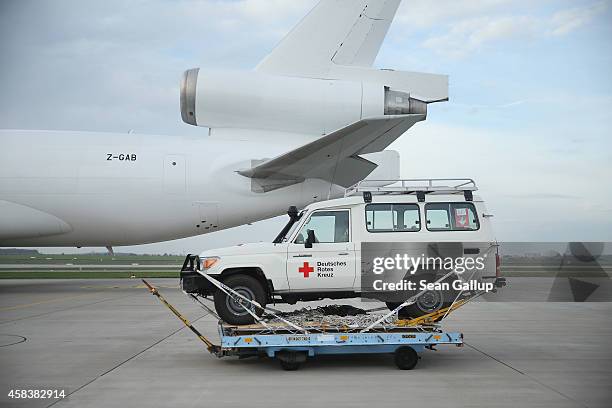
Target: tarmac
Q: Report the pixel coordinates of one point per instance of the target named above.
(109, 343)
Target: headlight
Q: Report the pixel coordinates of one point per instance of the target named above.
(209, 262)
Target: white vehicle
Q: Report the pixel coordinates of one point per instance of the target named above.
(318, 253)
(311, 119)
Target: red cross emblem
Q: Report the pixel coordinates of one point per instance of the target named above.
(306, 269)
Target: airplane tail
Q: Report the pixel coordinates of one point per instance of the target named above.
(340, 32)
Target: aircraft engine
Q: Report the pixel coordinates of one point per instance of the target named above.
(253, 100)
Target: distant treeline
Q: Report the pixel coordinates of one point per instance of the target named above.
(532, 259)
(32, 252)
(18, 251)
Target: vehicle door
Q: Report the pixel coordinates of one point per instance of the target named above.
(330, 263)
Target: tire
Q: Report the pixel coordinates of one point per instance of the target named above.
(429, 302)
(291, 360)
(230, 311)
(406, 358)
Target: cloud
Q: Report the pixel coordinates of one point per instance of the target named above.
(423, 14)
(566, 21)
(544, 196)
(471, 34)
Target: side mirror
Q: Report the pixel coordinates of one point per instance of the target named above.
(310, 239)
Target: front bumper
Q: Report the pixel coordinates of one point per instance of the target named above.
(191, 279)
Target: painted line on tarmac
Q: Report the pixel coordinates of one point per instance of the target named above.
(125, 361)
(42, 302)
(4, 309)
(64, 309)
(526, 375)
(18, 339)
(141, 286)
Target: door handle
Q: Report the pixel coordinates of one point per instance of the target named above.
(343, 253)
(471, 251)
(303, 256)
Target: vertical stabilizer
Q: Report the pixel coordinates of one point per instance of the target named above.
(342, 32)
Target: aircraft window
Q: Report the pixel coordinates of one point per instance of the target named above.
(451, 217)
(393, 218)
(329, 227)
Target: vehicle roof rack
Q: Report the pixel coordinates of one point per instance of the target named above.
(419, 187)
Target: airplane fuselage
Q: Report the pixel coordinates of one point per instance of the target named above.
(96, 189)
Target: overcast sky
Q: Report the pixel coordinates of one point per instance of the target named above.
(529, 115)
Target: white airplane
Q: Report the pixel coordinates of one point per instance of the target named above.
(311, 119)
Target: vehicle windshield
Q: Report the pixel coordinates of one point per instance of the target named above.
(328, 227)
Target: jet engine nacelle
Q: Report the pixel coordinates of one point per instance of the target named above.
(255, 100)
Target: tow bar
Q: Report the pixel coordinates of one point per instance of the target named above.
(209, 344)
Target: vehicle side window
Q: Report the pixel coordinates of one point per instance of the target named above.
(328, 226)
(392, 217)
(451, 217)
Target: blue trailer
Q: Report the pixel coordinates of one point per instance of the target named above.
(294, 349)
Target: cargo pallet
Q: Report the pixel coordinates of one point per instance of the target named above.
(292, 344)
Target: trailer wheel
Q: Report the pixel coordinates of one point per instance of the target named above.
(406, 358)
(229, 309)
(291, 360)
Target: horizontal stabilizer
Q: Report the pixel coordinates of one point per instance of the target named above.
(334, 157)
(421, 85)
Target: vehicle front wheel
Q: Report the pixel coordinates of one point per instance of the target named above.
(233, 311)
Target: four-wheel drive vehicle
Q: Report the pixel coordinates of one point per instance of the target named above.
(317, 255)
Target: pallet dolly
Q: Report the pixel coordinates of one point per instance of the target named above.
(292, 344)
